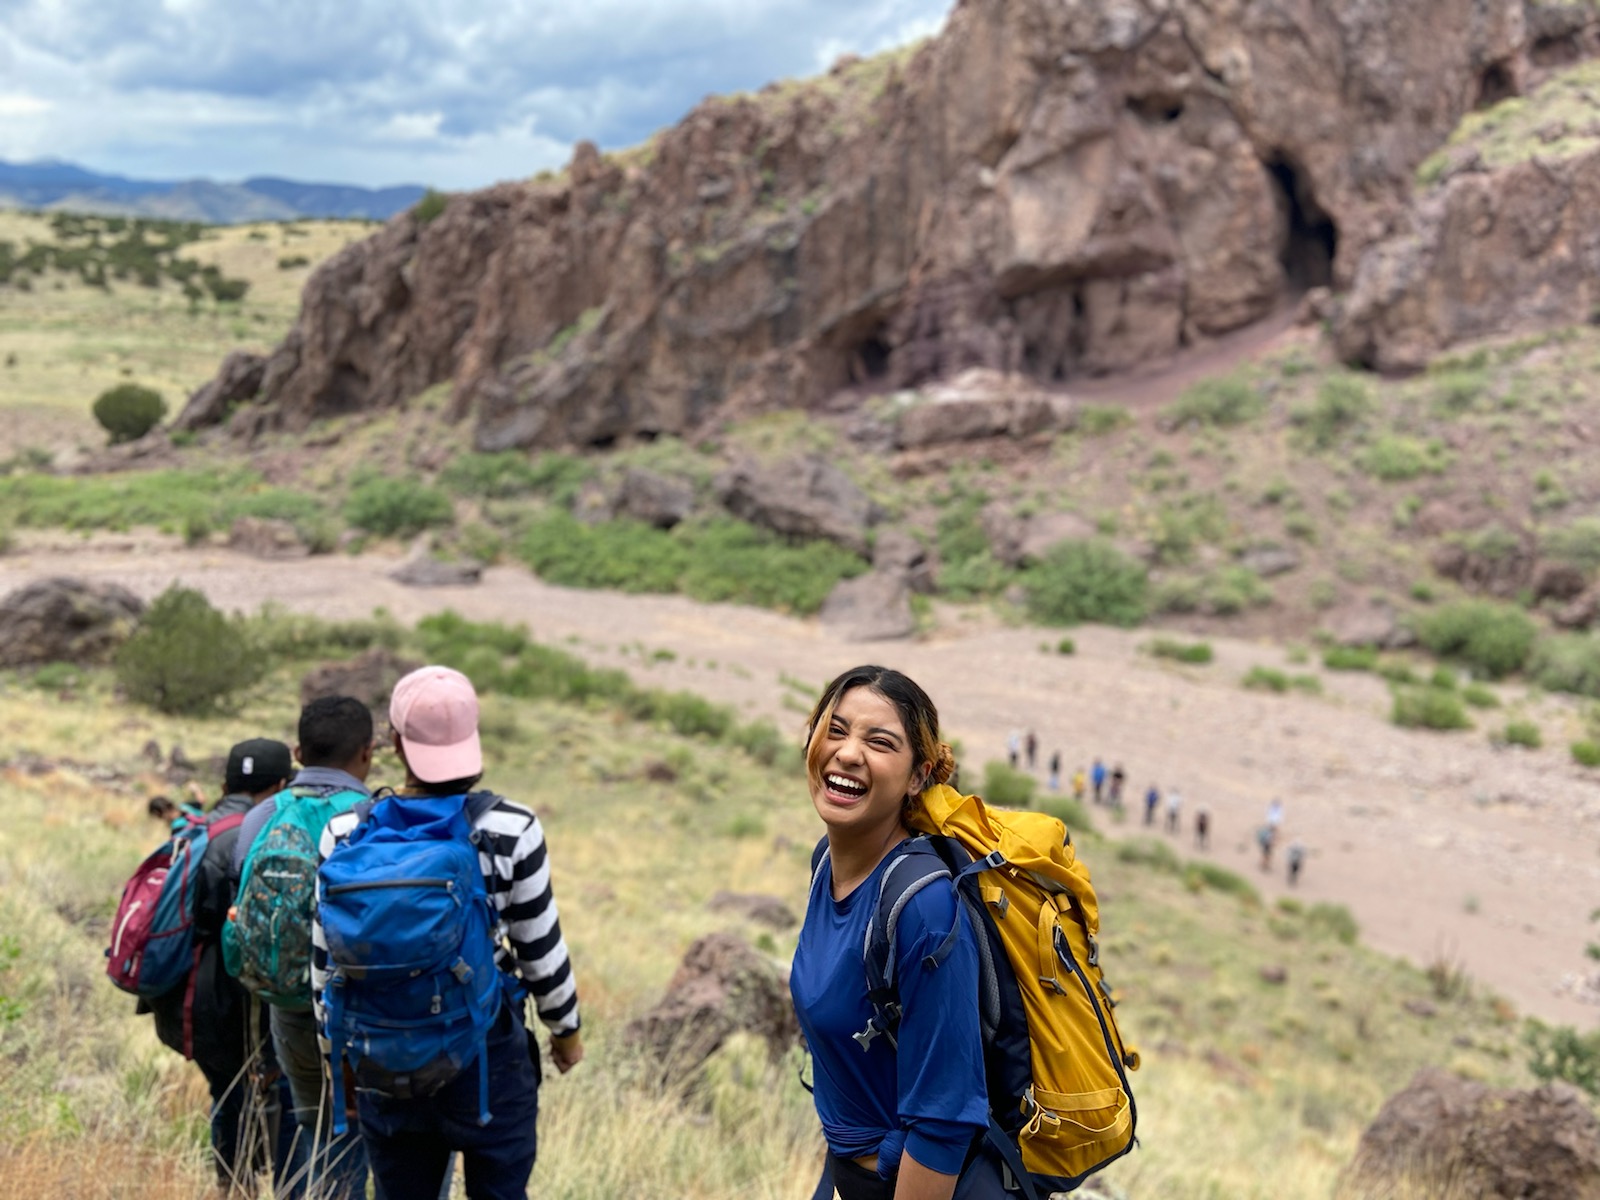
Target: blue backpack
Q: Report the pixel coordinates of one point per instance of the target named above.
(413, 987)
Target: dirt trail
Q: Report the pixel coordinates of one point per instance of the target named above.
(1442, 846)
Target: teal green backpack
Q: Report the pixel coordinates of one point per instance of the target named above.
(266, 943)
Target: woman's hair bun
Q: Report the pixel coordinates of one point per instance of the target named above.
(944, 765)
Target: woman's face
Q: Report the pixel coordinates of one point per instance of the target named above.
(866, 765)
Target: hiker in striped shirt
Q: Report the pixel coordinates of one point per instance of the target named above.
(409, 1138)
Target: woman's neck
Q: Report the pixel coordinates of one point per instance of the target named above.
(853, 856)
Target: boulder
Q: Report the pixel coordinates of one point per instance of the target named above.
(1372, 624)
(981, 404)
(1579, 613)
(369, 677)
(1444, 1135)
(236, 382)
(762, 909)
(722, 987)
(428, 571)
(658, 500)
(1004, 530)
(1267, 559)
(896, 552)
(1558, 581)
(1044, 531)
(800, 497)
(266, 537)
(1493, 560)
(66, 620)
(874, 607)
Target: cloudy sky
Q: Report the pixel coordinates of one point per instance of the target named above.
(454, 94)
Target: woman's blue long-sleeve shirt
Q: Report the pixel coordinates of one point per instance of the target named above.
(928, 1096)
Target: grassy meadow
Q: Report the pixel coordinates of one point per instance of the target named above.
(1250, 1088)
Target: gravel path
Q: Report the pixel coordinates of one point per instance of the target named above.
(1443, 846)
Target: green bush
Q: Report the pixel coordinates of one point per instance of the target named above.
(284, 636)
(1586, 753)
(127, 412)
(392, 507)
(1428, 708)
(1399, 672)
(1350, 658)
(734, 561)
(1066, 646)
(628, 556)
(186, 657)
(511, 473)
(1068, 811)
(1479, 696)
(1335, 920)
(1149, 852)
(1577, 543)
(430, 206)
(1266, 679)
(1086, 581)
(1228, 591)
(1493, 639)
(1227, 401)
(1394, 458)
(1342, 402)
(1522, 733)
(1186, 652)
(1561, 1052)
(1567, 662)
(1006, 786)
(1198, 875)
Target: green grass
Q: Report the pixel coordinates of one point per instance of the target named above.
(1197, 653)
(1221, 403)
(1428, 708)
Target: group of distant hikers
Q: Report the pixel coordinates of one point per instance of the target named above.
(349, 969)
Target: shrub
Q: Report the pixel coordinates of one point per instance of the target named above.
(1567, 662)
(1068, 811)
(392, 507)
(1335, 920)
(1230, 400)
(1350, 658)
(1561, 1052)
(1086, 581)
(430, 206)
(1199, 875)
(1401, 673)
(290, 261)
(1309, 684)
(1342, 402)
(733, 560)
(128, 412)
(511, 473)
(186, 657)
(1522, 733)
(1006, 786)
(1577, 543)
(1479, 696)
(1149, 852)
(1096, 420)
(1230, 590)
(1586, 753)
(1428, 708)
(1066, 646)
(761, 741)
(1493, 639)
(1443, 677)
(1266, 679)
(1187, 652)
(1394, 458)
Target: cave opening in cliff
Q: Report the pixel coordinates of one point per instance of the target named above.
(869, 361)
(1311, 239)
(1494, 85)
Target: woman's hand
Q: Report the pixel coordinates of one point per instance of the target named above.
(917, 1182)
(566, 1052)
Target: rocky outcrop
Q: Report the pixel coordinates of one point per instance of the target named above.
(66, 620)
(369, 677)
(1267, 559)
(655, 499)
(896, 552)
(981, 404)
(722, 987)
(753, 906)
(800, 498)
(237, 382)
(870, 608)
(1051, 189)
(1444, 1135)
(424, 570)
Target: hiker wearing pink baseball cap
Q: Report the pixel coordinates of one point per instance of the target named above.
(413, 1117)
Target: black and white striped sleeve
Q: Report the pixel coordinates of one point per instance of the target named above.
(517, 865)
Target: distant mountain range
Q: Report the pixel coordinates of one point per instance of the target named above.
(60, 186)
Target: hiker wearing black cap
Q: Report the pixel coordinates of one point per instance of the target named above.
(210, 1021)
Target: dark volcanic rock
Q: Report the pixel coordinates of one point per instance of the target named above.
(896, 552)
(66, 620)
(870, 608)
(236, 382)
(427, 571)
(369, 677)
(1049, 189)
(1444, 1135)
(763, 910)
(805, 497)
(658, 500)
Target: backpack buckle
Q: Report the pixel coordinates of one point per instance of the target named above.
(865, 1037)
(1094, 951)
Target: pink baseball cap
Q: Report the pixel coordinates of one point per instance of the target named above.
(435, 712)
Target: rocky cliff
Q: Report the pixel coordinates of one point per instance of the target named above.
(1058, 187)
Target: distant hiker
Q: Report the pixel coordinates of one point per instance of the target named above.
(372, 913)
(1118, 778)
(1265, 837)
(268, 937)
(1080, 784)
(1152, 799)
(1055, 771)
(1014, 748)
(212, 1022)
(901, 1121)
(1275, 815)
(1202, 827)
(1097, 776)
(1174, 808)
(1030, 746)
(1296, 857)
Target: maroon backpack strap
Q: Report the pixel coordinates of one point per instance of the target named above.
(188, 1007)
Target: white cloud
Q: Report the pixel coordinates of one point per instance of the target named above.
(383, 91)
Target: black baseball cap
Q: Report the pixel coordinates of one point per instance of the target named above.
(257, 764)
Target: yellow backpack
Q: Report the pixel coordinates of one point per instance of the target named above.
(1060, 1102)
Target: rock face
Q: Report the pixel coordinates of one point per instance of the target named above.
(1444, 1135)
(722, 987)
(66, 620)
(237, 382)
(369, 677)
(1047, 189)
(980, 403)
(870, 608)
(803, 498)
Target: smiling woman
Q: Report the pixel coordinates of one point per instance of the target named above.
(904, 1118)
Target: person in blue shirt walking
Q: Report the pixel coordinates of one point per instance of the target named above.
(902, 1121)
